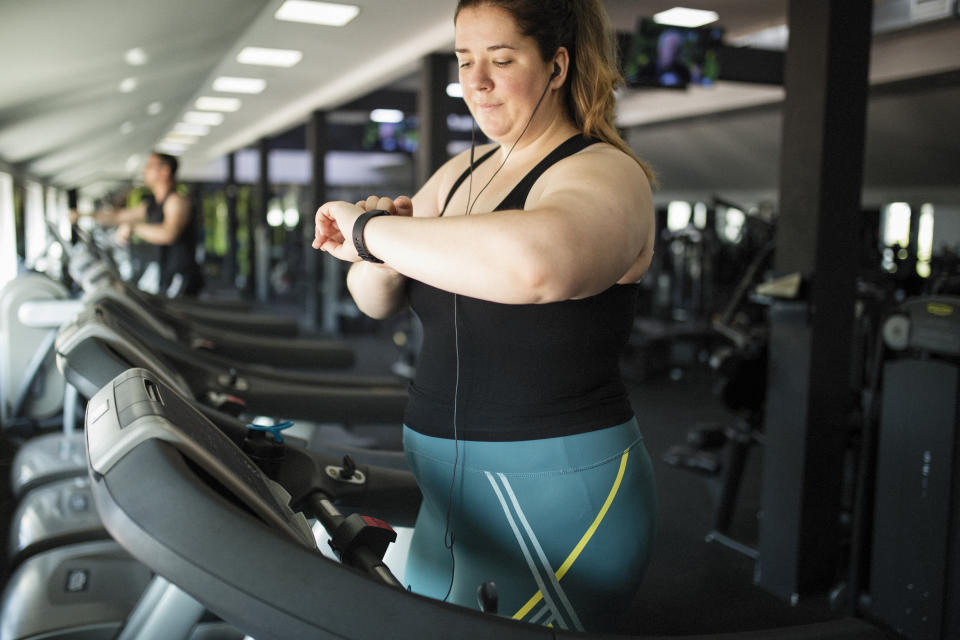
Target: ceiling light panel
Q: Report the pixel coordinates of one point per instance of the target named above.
(230, 84)
(188, 129)
(128, 85)
(173, 148)
(180, 138)
(269, 57)
(389, 116)
(683, 17)
(208, 103)
(136, 57)
(207, 118)
(325, 13)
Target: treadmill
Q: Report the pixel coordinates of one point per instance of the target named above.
(98, 345)
(232, 337)
(183, 497)
(102, 270)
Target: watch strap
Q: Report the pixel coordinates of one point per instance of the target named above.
(358, 227)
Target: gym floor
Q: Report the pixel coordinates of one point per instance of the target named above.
(691, 587)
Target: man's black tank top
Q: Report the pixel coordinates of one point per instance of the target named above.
(527, 371)
(178, 257)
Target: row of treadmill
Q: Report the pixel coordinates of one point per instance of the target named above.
(179, 506)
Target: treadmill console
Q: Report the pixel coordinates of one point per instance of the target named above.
(929, 324)
(136, 407)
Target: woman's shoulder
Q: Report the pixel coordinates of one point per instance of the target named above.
(601, 158)
(600, 163)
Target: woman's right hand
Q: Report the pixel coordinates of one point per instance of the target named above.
(401, 206)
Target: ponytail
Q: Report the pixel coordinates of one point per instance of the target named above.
(594, 75)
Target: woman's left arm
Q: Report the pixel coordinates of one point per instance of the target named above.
(587, 223)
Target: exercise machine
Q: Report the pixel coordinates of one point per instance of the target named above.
(157, 465)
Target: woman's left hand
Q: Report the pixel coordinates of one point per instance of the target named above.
(333, 229)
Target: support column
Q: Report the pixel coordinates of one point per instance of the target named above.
(433, 107)
(20, 214)
(73, 198)
(259, 238)
(317, 145)
(821, 175)
(230, 191)
(914, 242)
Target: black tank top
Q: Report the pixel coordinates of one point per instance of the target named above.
(178, 258)
(527, 371)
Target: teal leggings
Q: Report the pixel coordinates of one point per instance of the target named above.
(563, 526)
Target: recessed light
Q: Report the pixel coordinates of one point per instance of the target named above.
(136, 57)
(683, 17)
(207, 103)
(328, 13)
(454, 90)
(171, 147)
(188, 129)
(387, 116)
(228, 84)
(154, 108)
(127, 85)
(208, 118)
(126, 128)
(269, 57)
(133, 162)
(180, 138)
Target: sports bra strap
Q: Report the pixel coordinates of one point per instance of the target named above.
(463, 176)
(517, 198)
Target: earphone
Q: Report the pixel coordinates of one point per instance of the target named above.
(448, 535)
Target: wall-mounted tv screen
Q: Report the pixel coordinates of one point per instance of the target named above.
(661, 55)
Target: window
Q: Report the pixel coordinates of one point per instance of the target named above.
(925, 240)
(678, 215)
(36, 230)
(8, 231)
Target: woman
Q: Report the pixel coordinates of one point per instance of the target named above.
(518, 428)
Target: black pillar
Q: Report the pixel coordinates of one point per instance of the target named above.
(230, 191)
(433, 107)
(259, 256)
(821, 175)
(20, 214)
(317, 145)
(73, 199)
(913, 245)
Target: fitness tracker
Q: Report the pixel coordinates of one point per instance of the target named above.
(358, 234)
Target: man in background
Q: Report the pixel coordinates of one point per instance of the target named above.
(166, 220)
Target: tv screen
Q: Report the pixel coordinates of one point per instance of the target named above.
(661, 55)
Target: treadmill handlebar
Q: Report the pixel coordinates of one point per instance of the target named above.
(359, 541)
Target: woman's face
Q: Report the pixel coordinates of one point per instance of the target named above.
(501, 71)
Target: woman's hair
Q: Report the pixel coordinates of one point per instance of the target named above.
(582, 27)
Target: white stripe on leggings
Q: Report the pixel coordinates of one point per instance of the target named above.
(548, 570)
(526, 552)
(539, 614)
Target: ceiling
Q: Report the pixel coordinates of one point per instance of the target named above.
(63, 118)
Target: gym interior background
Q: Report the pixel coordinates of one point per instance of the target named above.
(796, 358)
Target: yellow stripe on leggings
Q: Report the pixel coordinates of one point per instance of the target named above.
(578, 549)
